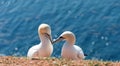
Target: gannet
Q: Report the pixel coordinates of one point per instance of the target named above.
(45, 47)
(69, 50)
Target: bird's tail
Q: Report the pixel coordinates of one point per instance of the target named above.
(85, 55)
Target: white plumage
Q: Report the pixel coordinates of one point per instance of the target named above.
(45, 48)
(69, 50)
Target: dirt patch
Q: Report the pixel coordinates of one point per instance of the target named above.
(23, 61)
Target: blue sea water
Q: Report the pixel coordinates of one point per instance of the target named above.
(96, 24)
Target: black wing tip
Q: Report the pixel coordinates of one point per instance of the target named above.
(85, 54)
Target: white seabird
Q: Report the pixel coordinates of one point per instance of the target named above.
(45, 47)
(69, 50)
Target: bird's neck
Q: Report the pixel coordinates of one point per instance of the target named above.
(70, 42)
(44, 40)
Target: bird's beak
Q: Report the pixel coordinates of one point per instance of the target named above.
(58, 40)
(49, 37)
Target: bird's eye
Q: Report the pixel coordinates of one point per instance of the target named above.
(61, 37)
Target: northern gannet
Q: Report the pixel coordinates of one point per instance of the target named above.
(45, 47)
(69, 50)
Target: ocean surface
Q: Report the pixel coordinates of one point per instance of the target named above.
(95, 23)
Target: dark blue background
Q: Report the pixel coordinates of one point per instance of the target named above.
(96, 24)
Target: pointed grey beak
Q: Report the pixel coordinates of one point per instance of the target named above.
(49, 37)
(58, 40)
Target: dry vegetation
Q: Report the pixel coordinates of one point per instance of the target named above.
(22, 61)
